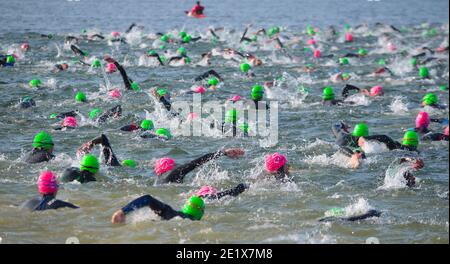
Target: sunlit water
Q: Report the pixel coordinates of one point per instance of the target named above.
(268, 212)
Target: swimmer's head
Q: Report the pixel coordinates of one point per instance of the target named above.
(343, 61)
(328, 94)
(80, 97)
(25, 46)
(429, 99)
(235, 98)
(199, 89)
(129, 163)
(187, 39)
(147, 124)
(96, 63)
(111, 67)
(410, 139)
(206, 190)
(446, 131)
(115, 34)
(43, 140)
(182, 51)
(163, 132)
(362, 52)
(135, 86)
(182, 34)
(348, 37)
(376, 91)
(89, 163)
(345, 76)
(115, 93)
(423, 72)
(69, 121)
(244, 67)
(231, 116)
(163, 165)
(195, 207)
(360, 130)
(422, 120)
(257, 92)
(47, 183)
(10, 59)
(213, 81)
(94, 113)
(274, 162)
(317, 53)
(35, 83)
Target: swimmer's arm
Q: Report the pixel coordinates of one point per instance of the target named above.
(207, 74)
(130, 28)
(61, 204)
(77, 51)
(161, 209)
(231, 192)
(347, 89)
(124, 75)
(390, 143)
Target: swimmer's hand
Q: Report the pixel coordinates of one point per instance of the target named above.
(355, 160)
(234, 153)
(118, 217)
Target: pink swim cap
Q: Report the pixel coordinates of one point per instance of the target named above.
(199, 89)
(391, 46)
(192, 116)
(422, 120)
(275, 161)
(111, 67)
(446, 131)
(348, 37)
(206, 190)
(115, 93)
(311, 42)
(47, 183)
(69, 121)
(115, 34)
(235, 98)
(376, 90)
(317, 53)
(24, 46)
(163, 165)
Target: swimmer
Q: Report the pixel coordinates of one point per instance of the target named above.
(193, 209)
(42, 148)
(60, 67)
(436, 136)
(48, 188)
(373, 92)
(328, 98)
(26, 102)
(211, 193)
(369, 214)
(166, 171)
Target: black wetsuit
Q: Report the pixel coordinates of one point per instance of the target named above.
(347, 89)
(75, 174)
(116, 111)
(369, 214)
(390, 143)
(344, 139)
(126, 80)
(434, 137)
(47, 202)
(131, 127)
(77, 51)
(37, 155)
(178, 173)
(27, 103)
(334, 102)
(207, 74)
(240, 188)
(166, 212)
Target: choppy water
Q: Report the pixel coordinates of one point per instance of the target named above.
(268, 212)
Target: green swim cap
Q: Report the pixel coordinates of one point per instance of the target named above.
(164, 38)
(164, 132)
(43, 140)
(273, 30)
(162, 58)
(194, 207)
(162, 46)
(53, 116)
(213, 81)
(245, 67)
(443, 87)
(257, 92)
(135, 86)
(151, 52)
(328, 93)
(89, 163)
(181, 51)
(94, 113)
(187, 38)
(187, 59)
(129, 163)
(50, 35)
(182, 34)
(96, 63)
(254, 38)
(381, 62)
(423, 72)
(361, 130)
(343, 61)
(362, 52)
(80, 97)
(430, 99)
(244, 127)
(161, 92)
(410, 139)
(10, 59)
(336, 212)
(413, 61)
(35, 83)
(345, 75)
(231, 116)
(310, 30)
(147, 124)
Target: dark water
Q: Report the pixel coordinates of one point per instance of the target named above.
(269, 212)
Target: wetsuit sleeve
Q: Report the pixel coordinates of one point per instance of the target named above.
(231, 192)
(57, 204)
(434, 137)
(130, 28)
(124, 75)
(347, 89)
(178, 173)
(163, 210)
(108, 154)
(128, 128)
(38, 155)
(32, 204)
(369, 214)
(166, 103)
(346, 151)
(207, 74)
(71, 174)
(117, 110)
(243, 35)
(157, 57)
(390, 143)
